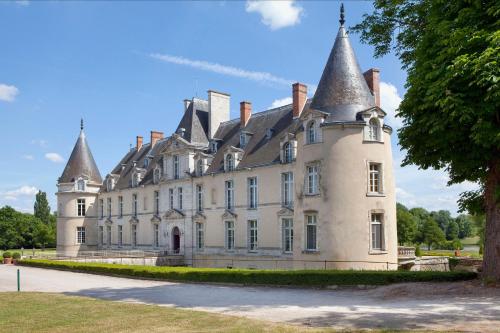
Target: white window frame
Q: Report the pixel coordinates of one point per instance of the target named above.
(120, 235)
(229, 163)
(156, 203)
(156, 235)
(134, 205)
(252, 239)
(171, 198)
(120, 206)
(81, 207)
(375, 178)
(312, 179)
(80, 185)
(252, 192)
(200, 236)
(81, 235)
(156, 175)
(108, 203)
(287, 234)
(312, 135)
(180, 203)
(199, 198)
(101, 208)
(374, 130)
(311, 226)
(288, 152)
(287, 189)
(175, 166)
(229, 235)
(229, 194)
(377, 241)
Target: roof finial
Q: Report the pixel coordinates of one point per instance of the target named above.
(81, 124)
(342, 21)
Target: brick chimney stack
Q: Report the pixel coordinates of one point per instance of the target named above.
(299, 94)
(245, 113)
(138, 144)
(155, 136)
(372, 77)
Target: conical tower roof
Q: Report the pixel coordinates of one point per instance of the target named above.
(81, 163)
(342, 90)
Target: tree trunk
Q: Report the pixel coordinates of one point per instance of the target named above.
(491, 256)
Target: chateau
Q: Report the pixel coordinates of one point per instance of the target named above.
(306, 185)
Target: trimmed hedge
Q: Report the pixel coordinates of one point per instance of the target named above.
(316, 278)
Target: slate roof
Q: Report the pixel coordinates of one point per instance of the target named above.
(195, 122)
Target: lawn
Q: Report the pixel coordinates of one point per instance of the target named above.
(29, 252)
(450, 253)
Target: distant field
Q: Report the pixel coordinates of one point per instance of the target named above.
(29, 252)
(451, 253)
(470, 240)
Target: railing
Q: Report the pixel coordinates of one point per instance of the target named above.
(406, 252)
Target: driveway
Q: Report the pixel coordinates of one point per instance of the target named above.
(462, 306)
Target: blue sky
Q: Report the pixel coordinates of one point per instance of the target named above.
(126, 67)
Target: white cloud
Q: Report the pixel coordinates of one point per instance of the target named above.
(23, 2)
(54, 157)
(40, 142)
(276, 14)
(280, 102)
(8, 93)
(28, 157)
(23, 191)
(390, 100)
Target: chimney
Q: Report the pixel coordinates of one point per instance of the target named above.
(138, 144)
(299, 93)
(372, 77)
(245, 113)
(218, 110)
(155, 136)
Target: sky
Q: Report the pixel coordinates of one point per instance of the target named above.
(126, 67)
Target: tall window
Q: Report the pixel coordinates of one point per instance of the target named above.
(80, 207)
(108, 235)
(176, 166)
(134, 235)
(200, 237)
(252, 235)
(199, 198)
(287, 152)
(375, 178)
(156, 236)
(120, 206)
(376, 231)
(229, 194)
(287, 189)
(252, 192)
(171, 198)
(229, 235)
(243, 140)
(179, 198)
(80, 185)
(312, 180)
(101, 208)
(157, 175)
(229, 162)
(311, 132)
(80, 235)
(134, 205)
(157, 203)
(109, 207)
(373, 130)
(287, 234)
(120, 235)
(101, 235)
(199, 167)
(311, 225)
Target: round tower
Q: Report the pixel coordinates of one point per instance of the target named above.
(78, 188)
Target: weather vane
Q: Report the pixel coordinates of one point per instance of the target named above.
(342, 21)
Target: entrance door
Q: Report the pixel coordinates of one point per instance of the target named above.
(176, 240)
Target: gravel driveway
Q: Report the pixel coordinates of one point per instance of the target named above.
(462, 306)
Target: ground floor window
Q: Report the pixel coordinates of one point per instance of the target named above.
(80, 235)
(287, 234)
(108, 234)
(377, 231)
(134, 235)
(200, 237)
(120, 235)
(229, 235)
(156, 235)
(252, 235)
(311, 234)
(101, 235)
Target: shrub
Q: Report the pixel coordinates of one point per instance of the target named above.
(16, 255)
(7, 254)
(255, 277)
(418, 252)
(451, 245)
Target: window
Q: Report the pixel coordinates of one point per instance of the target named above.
(243, 140)
(229, 235)
(80, 204)
(176, 166)
(200, 237)
(80, 185)
(157, 203)
(171, 198)
(109, 207)
(252, 235)
(108, 235)
(373, 130)
(146, 162)
(199, 198)
(376, 231)
(287, 152)
(287, 189)
(157, 175)
(229, 162)
(287, 234)
(312, 184)
(199, 167)
(252, 193)
(134, 205)
(101, 208)
(229, 194)
(213, 146)
(80, 235)
(101, 235)
(120, 206)
(311, 242)
(134, 235)
(374, 181)
(120, 235)
(110, 184)
(179, 197)
(311, 132)
(156, 236)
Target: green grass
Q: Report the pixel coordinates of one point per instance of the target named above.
(306, 278)
(29, 252)
(470, 240)
(450, 253)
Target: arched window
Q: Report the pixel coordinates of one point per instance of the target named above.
(199, 167)
(311, 132)
(229, 162)
(287, 152)
(80, 185)
(374, 130)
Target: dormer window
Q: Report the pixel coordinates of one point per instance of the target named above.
(110, 184)
(269, 133)
(311, 132)
(80, 185)
(213, 146)
(199, 167)
(175, 161)
(374, 130)
(146, 163)
(229, 163)
(156, 175)
(287, 152)
(136, 179)
(243, 140)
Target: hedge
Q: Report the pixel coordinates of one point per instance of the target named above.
(316, 278)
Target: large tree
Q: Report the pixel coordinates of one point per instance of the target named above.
(407, 225)
(451, 109)
(41, 207)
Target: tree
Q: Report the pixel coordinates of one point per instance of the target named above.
(421, 215)
(443, 219)
(451, 109)
(407, 225)
(432, 233)
(42, 208)
(464, 226)
(452, 231)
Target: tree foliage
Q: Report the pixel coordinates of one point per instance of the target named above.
(41, 207)
(407, 225)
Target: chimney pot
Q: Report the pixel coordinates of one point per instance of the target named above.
(138, 141)
(299, 95)
(155, 136)
(245, 113)
(372, 77)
